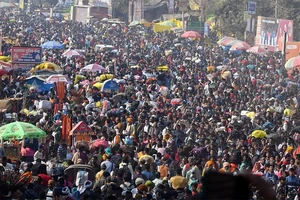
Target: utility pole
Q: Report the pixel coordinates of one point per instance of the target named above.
(283, 51)
(276, 9)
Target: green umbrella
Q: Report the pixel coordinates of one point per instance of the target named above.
(20, 130)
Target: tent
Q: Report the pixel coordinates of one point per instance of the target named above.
(39, 83)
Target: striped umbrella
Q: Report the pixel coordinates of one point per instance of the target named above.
(240, 45)
(292, 63)
(225, 38)
(257, 50)
(229, 42)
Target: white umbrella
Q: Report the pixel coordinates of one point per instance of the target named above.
(93, 68)
(58, 78)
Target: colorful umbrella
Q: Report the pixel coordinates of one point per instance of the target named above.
(225, 38)
(259, 134)
(71, 53)
(292, 63)
(93, 68)
(240, 46)
(257, 50)
(52, 45)
(20, 130)
(191, 34)
(229, 42)
(58, 78)
(176, 101)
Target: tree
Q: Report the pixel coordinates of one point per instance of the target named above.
(229, 16)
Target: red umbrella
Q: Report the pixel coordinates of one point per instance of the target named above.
(3, 72)
(257, 50)
(191, 34)
(240, 45)
(100, 142)
(176, 101)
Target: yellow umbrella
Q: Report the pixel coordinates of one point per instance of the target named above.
(251, 115)
(98, 85)
(163, 68)
(79, 78)
(259, 134)
(148, 158)
(5, 58)
(105, 77)
(48, 65)
(225, 74)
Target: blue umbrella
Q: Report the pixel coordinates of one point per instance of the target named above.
(52, 45)
(226, 61)
(251, 67)
(110, 86)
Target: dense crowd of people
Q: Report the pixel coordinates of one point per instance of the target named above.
(206, 111)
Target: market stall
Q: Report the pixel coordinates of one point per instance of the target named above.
(80, 132)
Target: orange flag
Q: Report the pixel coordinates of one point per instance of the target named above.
(60, 90)
(66, 126)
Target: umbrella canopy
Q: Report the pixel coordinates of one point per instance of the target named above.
(7, 5)
(229, 42)
(72, 170)
(259, 134)
(20, 130)
(148, 158)
(52, 45)
(240, 46)
(257, 50)
(58, 78)
(134, 23)
(292, 63)
(191, 34)
(176, 101)
(3, 72)
(100, 142)
(5, 58)
(46, 66)
(93, 68)
(71, 53)
(110, 86)
(119, 97)
(224, 39)
(98, 85)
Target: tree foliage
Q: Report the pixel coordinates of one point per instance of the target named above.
(230, 14)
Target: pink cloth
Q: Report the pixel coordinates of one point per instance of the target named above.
(27, 152)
